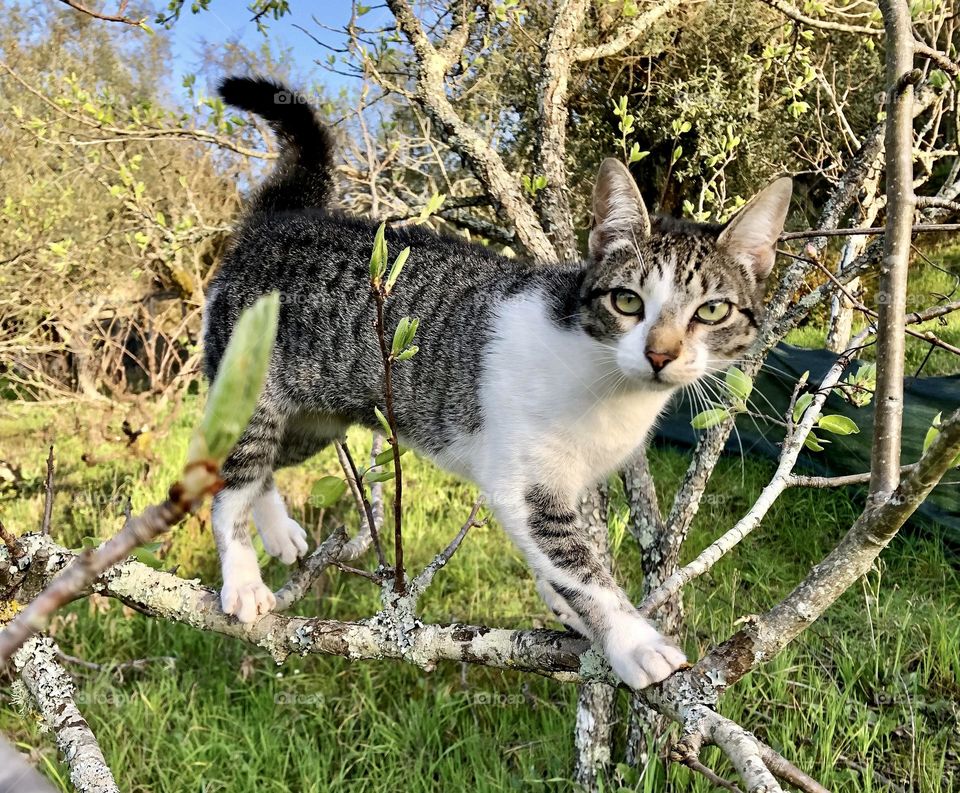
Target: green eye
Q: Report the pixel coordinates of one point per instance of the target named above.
(713, 312)
(627, 302)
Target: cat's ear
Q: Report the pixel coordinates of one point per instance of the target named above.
(751, 237)
(618, 209)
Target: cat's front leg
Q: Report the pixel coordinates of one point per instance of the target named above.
(574, 581)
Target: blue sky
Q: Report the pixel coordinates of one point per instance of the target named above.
(229, 20)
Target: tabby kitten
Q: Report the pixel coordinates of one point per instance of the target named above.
(535, 382)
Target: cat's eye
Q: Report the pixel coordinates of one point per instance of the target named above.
(627, 302)
(713, 312)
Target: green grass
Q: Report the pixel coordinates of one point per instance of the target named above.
(875, 682)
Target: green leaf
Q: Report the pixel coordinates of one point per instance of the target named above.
(677, 154)
(400, 335)
(838, 425)
(933, 432)
(404, 335)
(146, 556)
(380, 476)
(378, 256)
(383, 421)
(327, 491)
(738, 384)
(432, 206)
(236, 389)
(397, 267)
(386, 456)
(709, 418)
(801, 405)
(408, 353)
(635, 154)
(814, 443)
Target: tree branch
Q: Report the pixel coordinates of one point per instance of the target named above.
(504, 188)
(152, 522)
(118, 17)
(888, 411)
(554, 204)
(629, 33)
(52, 689)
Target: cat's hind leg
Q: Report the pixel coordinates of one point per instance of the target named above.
(246, 474)
(283, 538)
(304, 435)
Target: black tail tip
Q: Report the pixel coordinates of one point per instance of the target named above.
(247, 92)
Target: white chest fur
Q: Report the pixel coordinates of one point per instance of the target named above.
(556, 407)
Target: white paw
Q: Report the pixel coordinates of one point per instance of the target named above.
(247, 599)
(639, 654)
(284, 539)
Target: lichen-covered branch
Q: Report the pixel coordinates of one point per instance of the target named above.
(52, 689)
(852, 558)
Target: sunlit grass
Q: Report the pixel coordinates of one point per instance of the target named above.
(873, 683)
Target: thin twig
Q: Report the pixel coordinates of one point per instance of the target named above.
(380, 296)
(695, 765)
(919, 228)
(48, 495)
(118, 17)
(11, 542)
(356, 485)
(423, 580)
(117, 668)
(377, 578)
(309, 570)
(797, 480)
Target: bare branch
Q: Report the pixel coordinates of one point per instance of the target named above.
(419, 584)
(939, 58)
(639, 25)
(779, 482)
(118, 17)
(919, 228)
(888, 415)
(554, 206)
(788, 772)
(366, 509)
(821, 24)
(48, 496)
(309, 570)
(769, 633)
(504, 187)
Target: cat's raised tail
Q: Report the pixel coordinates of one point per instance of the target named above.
(302, 178)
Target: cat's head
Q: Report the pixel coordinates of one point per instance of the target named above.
(676, 299)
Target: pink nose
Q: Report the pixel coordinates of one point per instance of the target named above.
(659, 359)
